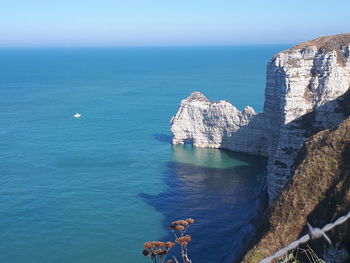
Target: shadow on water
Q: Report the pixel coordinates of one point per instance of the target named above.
(167, 138)
(162, 137)
(220, 190)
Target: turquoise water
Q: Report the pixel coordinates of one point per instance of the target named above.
(94, 189)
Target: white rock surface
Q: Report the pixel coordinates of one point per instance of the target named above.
(218, 125)
(302, 85)
(303, 90)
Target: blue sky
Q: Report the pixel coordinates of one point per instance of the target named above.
(168, 22)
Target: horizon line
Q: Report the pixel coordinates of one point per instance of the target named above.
(141, 46)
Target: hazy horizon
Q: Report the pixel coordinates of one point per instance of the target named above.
(108, 23)
(141, 46)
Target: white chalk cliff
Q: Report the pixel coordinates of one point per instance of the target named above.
(218, 125)
(303, 95)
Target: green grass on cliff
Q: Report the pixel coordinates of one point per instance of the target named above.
(318, 193)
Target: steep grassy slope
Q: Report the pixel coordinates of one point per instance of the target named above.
(318, 193)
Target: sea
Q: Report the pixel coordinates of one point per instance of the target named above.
(95, 188)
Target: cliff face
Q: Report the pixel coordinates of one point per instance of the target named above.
(303, 95)
(318, 193)
(302, 85)
(218, 125)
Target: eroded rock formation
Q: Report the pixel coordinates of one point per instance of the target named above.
(303, 84)
(218, 125)
(303, 95)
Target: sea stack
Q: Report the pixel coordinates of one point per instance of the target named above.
(305, 90)
(218, 125)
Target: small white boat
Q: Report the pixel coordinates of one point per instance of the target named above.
(77, 115)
